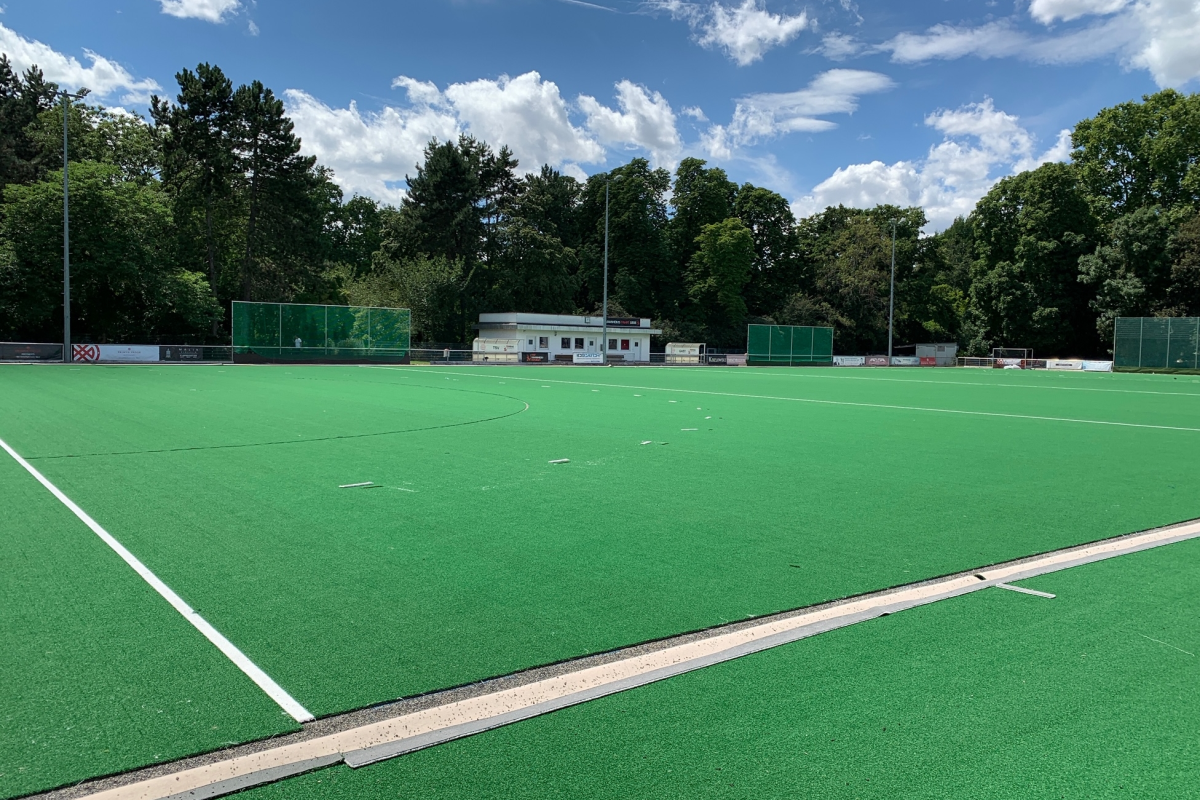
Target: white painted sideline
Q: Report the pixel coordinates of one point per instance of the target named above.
(803, 400)
(264, 681)
(388, 738)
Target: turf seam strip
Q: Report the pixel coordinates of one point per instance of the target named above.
(252, 670)
(825, 402)
(406, 732)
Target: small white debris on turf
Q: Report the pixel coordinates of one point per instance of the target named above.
(672, 401)
(401, 488)
(689, 429)
(708, 417)
(637, 395)
(356, 485)
(561, 461)
(648, 441)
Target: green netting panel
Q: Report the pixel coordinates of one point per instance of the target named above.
(1157, 343)
(788, 345)
(299, 332)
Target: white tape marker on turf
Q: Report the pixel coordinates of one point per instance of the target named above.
(1023, 590)
(264, 681)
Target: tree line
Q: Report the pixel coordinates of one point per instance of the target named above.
(211, 200)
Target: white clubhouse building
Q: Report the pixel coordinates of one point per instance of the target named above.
(559, 337)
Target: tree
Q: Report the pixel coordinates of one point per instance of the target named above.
(1137, 155)
(850, 252)
(1130, 272)
(778, 271)
(282, 210)
(22, 99)
(716, 275)
(431, 287)
(700, 197)
(1031, 230)
(199, 163)
(1184, 249)
(122, 139)
(642, 275)
(124, 284)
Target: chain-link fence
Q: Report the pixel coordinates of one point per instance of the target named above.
(1157, 343)
(282, 332)
(788, 345)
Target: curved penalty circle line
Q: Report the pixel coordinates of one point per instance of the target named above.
(831, 402)
(264, 681)
(304, 441)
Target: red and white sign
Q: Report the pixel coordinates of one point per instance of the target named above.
(928, 361)
(120, 353)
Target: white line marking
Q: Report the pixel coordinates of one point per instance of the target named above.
(386, 738)
(1023, 590)
(264, 681)
(939, 382)
(1160, 641)
(847, 403)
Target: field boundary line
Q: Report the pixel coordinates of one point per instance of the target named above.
(407, 731)
(240, 659)
(814, 400)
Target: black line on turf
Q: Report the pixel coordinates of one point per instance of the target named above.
(305, 441)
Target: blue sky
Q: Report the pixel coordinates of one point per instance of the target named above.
(926, 102)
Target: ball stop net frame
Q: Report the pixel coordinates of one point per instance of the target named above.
(297, 333)
(788, 345)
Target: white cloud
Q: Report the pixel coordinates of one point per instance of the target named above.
(763, 116)
(1047, 11)
(252, 28)
(838, 46)
(371, 153)
(1156, 35)
(645, 120)
(745, 32)
(525, 113)
(207, 10)
(981, 144)
(103, 77)
(695, 112)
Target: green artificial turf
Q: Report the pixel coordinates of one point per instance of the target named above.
(1093, 694)
(97, 673)
(477, 557)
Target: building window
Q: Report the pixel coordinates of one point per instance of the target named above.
(543, 342)
(612, 344)
(591, 342)
(624, 344)
(531, 342)
(579, 343)
(566, 343)
(636, 343)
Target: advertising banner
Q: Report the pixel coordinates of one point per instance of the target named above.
(877, 361)
(20, 351)
(587, 358)
(849, 361)
(535, 358)
(1062, 363)
(718, 358)
(118, 353)
(906, 361)
(180, 353)
(1097, 366)
(735, 360)
(928, 361)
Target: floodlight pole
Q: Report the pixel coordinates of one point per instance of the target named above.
(66, 109)
(892, 294)
(604, 335)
